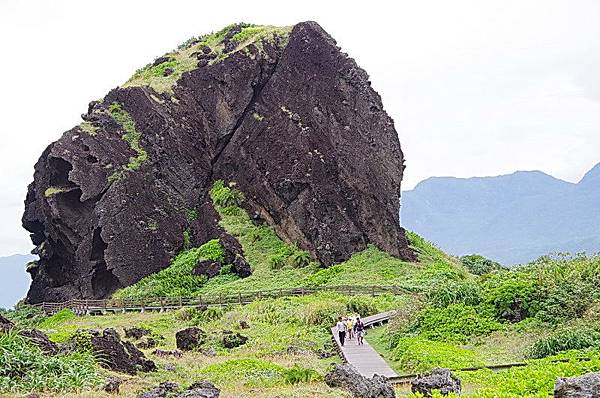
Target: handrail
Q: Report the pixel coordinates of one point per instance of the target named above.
(218, 299)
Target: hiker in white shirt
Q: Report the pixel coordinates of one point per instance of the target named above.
(341, 329)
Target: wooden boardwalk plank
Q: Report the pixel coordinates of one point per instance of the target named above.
(363, 357)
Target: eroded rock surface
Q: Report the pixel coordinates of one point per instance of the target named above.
(586, 386)
(346, 377)
(190, 339)
(439, 379)
(293, 122)
(118, 355)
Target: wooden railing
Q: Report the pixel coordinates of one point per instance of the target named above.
(89, 306)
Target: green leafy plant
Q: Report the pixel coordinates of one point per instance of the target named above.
(479, 265)
(225, 196)
(132, 137)
(564, 339)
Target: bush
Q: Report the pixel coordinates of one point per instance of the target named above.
(25, 316)
(479, 265)
(455, 292)
(297, 374)
(24, 367)
(513, 295)
(575, 338)
(456, 322)
(223, 196)
(300, 259)
(417, 354)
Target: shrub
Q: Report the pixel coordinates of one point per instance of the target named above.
(277, 261)
(361, 305)
(300, 259)
(24, 367)
(512, 294)
(455, 292)
(456, 322)
(297, 374)
(479, 265)
(575, 338)
(417, 354)
(223, 196)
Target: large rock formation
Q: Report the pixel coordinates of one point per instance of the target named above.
(287, 117)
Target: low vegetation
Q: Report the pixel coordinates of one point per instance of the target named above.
(132, 137)
(163, 76)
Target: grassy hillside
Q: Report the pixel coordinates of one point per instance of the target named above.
(454, 315)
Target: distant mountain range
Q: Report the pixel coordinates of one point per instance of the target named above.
(510, 218)
(14, 281)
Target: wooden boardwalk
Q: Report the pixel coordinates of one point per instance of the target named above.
(363, 357)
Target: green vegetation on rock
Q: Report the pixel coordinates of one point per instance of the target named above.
(132, 137)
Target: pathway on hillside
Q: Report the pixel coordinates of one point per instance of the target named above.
(363, 357)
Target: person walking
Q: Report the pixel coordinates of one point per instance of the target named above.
(360, 331)
(349, 327)
(341, 329)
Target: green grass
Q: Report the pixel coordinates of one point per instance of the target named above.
(24, 367)
(183, 60)
(53, 191)
(89, 128)
(132, 137)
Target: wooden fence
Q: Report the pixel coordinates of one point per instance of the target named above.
(113, 305)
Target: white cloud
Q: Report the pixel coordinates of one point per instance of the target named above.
(475, 87)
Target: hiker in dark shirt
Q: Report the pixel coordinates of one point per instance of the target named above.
(359, 331)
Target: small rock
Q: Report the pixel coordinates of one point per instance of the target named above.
(5, 324)
(161, 60)
(345, 376)
(586, 386)
(232, 340)
(167, 353)
(205, 49)
(169, 367)
(438, 379)
(136, 333)
(202, 389)
(161, 391)
(40, 339)
(244, 325)
(209, 352)
(241, 267)
(168, 72)
(202, 63)
(190, 339)
(208, 268)
(112, 385)
(32, 395)
(146, 344)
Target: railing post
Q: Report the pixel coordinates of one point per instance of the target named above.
(373, 291)
(180, 302)
(240, 297)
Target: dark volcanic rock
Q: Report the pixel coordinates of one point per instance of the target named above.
(40, 339)
(201, 389)
(167, 353)
(117, 355)
(146, 344)
(189, 339)
(161, 391)
(232, 340)
(439, 379)
(6, 325)
(294, 124)
(586, 386)
(346, 377)
(136, 333)
(112, 385)
(208, 268)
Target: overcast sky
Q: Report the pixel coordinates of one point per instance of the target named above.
(475, 87)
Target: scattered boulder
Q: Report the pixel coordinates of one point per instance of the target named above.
(112, 385)
(345, 376)
(136, 333)
(169, 367)
(241, 267)
(143, 363)
(117, 355)
(232, 340)
(209, 352)
(40, 339)
(146, 344)
(167, 353)
(5, 324)
(202, 389)
(244, 325)
(161, 391)
(295, 350)
(190, 339)
(208, 268)
(438, 379)
(161, 60)
(168, 72)
(323, 354)
(586, 386)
